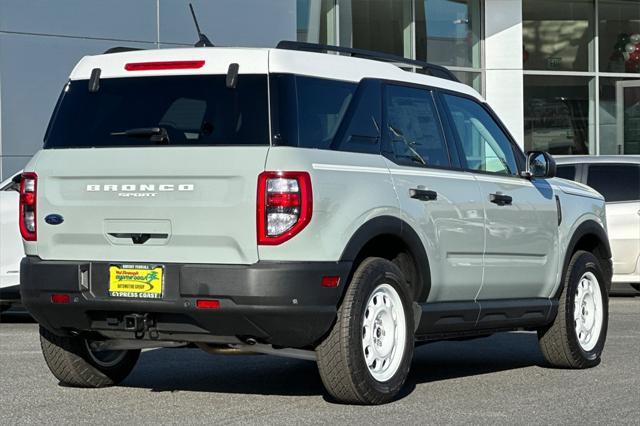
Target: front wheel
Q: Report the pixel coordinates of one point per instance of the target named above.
(365, 359)
(576, 337)
(74, 363)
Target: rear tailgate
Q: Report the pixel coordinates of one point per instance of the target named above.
(165, 204)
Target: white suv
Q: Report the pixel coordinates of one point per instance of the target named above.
(11, 251)
(617, 178)
(327, 207)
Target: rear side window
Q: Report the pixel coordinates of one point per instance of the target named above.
(566, 172)
(616, 182)
(310, 112)
(192, 110)
(412, 127)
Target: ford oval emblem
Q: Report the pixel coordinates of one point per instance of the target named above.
(54, 219)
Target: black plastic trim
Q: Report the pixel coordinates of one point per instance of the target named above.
(452, 319)
(281, 303)
(430, 69)
(389, 225)
(588, 227)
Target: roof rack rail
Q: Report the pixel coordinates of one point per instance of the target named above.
(119, 49)
(430, 69)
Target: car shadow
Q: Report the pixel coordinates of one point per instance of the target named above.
(16, 316)
(176, 370)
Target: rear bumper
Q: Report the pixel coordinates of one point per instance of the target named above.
(283, 304)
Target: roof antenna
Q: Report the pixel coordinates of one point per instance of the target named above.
(203, 41)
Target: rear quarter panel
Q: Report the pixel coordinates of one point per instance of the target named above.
(349, 189)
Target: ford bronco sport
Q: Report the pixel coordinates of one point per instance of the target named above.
(336, 208)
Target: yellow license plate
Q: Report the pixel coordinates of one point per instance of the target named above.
(136, 281)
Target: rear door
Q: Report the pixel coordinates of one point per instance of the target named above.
(620, 186)
(443, 204)
(154, 169)
(521, 250)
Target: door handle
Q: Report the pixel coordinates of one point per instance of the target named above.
(138, 238)
(423, 194)
(500, 199)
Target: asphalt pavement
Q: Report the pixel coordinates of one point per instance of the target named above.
(501, 379)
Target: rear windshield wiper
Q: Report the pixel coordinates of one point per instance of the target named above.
(155, 134)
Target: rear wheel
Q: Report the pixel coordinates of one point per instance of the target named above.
(576, 337)
(74, 363)
(366, 357)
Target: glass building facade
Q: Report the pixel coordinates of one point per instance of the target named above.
(580, 59)
(564, 75)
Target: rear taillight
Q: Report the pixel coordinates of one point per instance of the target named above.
(28, 196)
(285, 203)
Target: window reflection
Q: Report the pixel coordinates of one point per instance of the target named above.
(315, 21)
(448, 32)
(619, 28)
(381, 25)
(557, 114)
(619, 116)
(558, 35)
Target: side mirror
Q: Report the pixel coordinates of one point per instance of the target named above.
(540, 164)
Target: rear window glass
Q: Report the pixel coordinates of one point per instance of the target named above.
(616, 182)
(189, 110)
(566, 172)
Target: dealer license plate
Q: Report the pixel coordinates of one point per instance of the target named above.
(136, 281)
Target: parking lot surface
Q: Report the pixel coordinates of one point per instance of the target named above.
(501, 379)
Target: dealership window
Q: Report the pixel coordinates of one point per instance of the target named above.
(558, 35)
(578, 100)
(448, 32)
(316, 21)
(619, 34)
(381, 25)
(444, 32)
(619, 116)
(558, 114)
(473, 78)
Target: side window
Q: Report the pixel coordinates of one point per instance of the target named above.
(616, 182)
(360, 128)
(308, 112)
(566, 172)
(484, 144)
(412, 127)
(322, 105)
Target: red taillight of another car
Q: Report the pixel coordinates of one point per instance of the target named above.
(285, 204)
(27, 210)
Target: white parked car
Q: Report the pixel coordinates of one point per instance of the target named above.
(11, 250)
(617, 178)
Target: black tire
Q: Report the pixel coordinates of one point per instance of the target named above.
(559, 342)
(341, 360)
(70, 361)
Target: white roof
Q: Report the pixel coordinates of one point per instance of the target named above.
(581, 159)
(258, 61)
